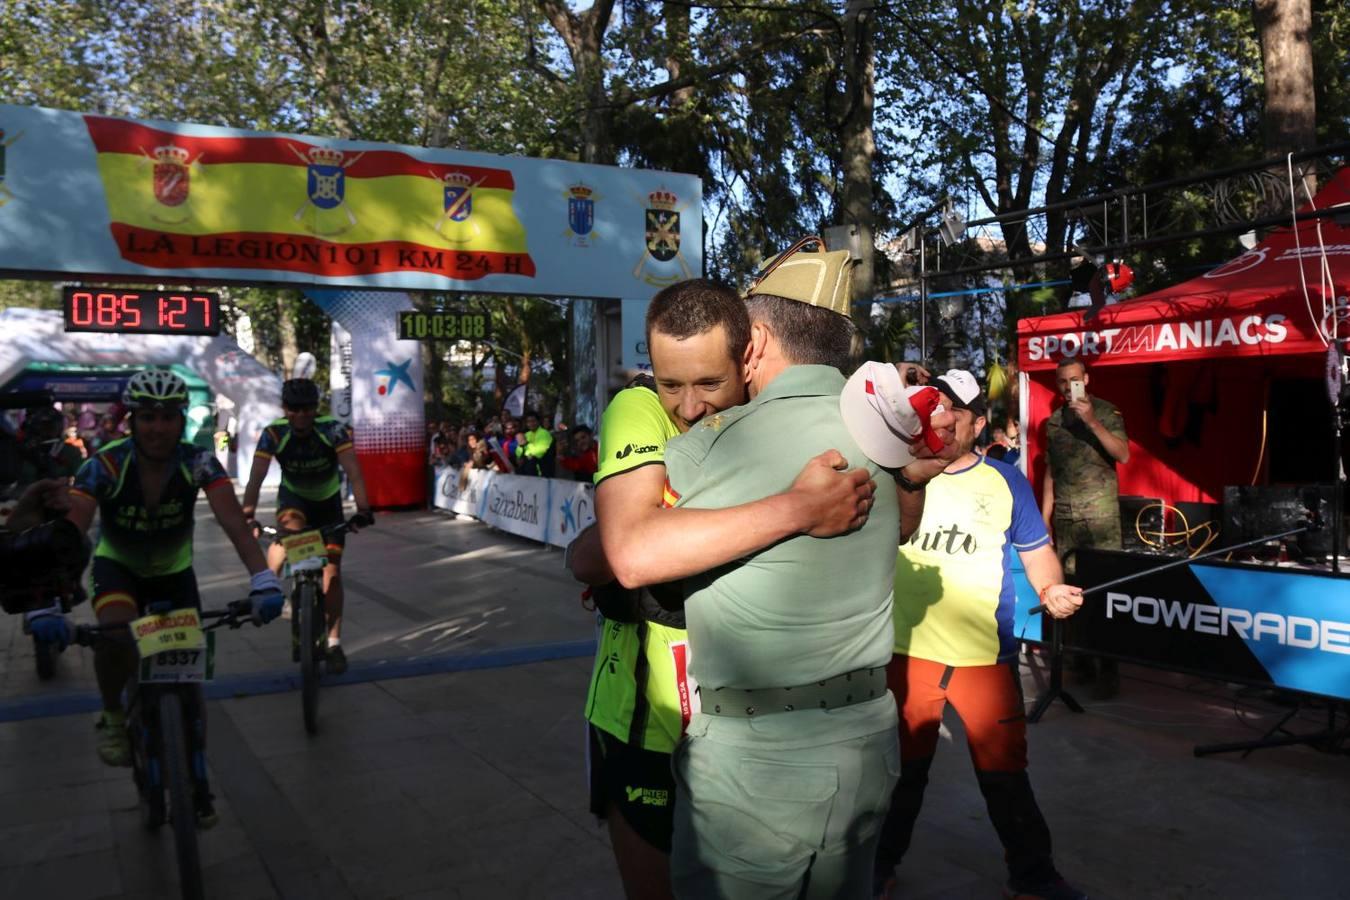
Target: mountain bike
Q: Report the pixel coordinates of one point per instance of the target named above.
(306, 556)
(165, 719)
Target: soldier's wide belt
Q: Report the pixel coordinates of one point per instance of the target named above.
(847, 689)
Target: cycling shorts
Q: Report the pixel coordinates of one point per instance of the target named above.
(115, 584)
(639, 783)
(317, 513)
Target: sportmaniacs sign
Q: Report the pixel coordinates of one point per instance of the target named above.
(1281, 627)
(1173, 340)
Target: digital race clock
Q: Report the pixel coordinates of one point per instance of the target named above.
(415, 325)
(122, 311)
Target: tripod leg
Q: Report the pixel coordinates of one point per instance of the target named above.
(1327, 738)
(1055, 690)
(1042, 704)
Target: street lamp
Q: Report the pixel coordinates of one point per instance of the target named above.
(950, 309)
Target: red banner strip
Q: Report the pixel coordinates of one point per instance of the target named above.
(397, 479)
(122, 136)
(289, 253)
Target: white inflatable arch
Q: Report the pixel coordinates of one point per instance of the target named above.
(38, 335)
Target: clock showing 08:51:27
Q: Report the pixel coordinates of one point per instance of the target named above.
(127, 311)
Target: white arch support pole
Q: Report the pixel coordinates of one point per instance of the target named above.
(388, 418)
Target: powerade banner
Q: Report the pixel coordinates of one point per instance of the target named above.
(1025, 626)
(548, 510)
(383, 393)
(1269, 626)
(94, 195)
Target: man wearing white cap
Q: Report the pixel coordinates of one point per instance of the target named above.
(786, 772)
(954, 643)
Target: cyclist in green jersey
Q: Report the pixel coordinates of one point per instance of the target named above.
(310, 449)
(640, 696)
(143, 489)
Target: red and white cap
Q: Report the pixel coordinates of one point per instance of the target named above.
(886, 417)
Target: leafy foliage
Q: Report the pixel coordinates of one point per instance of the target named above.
(1003, 104)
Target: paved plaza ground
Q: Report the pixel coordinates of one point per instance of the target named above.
(450, 763)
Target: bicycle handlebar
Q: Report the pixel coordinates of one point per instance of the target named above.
(353, 524)
(234, 615)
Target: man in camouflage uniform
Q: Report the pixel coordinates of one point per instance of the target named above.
(1085, 439)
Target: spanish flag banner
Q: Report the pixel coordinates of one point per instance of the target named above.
(278, 203)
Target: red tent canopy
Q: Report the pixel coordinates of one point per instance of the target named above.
(1192, 366)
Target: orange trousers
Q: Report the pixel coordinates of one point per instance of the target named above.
(989, 701)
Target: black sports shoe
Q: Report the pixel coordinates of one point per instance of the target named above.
(337, 660)
(205, 802)
(1059, 889)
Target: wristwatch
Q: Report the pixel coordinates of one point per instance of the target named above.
(905, 483)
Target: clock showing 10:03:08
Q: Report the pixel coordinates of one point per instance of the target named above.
(125, 311)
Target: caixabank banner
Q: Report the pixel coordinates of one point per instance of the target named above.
(550, 510)
(1288, 628)
(84, 194)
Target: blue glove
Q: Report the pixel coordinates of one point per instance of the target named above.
(267, 604)
(265, 593)
(51, 628)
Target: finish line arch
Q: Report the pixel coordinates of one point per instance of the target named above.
(355, 225)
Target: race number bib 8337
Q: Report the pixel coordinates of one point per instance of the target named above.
(181, 665)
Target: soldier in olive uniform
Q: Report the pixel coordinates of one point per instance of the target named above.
(786, 772)
(1085, 440)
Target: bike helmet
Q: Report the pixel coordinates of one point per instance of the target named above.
(155, 389)
(297, 393)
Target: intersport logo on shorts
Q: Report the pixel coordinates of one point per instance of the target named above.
(1322, 635)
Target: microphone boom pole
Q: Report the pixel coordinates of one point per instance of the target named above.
(1182, 562)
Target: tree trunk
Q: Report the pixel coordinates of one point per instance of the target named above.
(584, 36)
(288, 345)
(858, 149)
(1290, 115)
(679, 56)
(433, 362)
(1284, 27)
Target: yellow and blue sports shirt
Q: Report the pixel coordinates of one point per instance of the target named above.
(954, 594)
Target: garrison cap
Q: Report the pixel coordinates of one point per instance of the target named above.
(817, 277)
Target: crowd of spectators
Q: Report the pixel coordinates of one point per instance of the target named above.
(508, 445)
(82, 428)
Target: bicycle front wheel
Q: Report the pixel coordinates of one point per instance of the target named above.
(309, 608)
(45, 658)
(182, 808)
